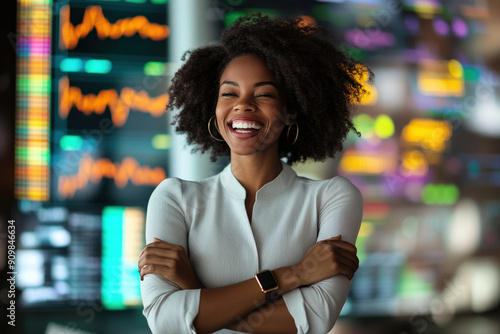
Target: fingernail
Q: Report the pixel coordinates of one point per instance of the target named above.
(156, 239)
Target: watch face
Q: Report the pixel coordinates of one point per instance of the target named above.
(267, 280)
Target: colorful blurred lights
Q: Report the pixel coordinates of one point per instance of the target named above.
(455, 68)
(122, 233)
(95, 66)
(154, 68)
(60, 237)
(441, 78)
(427, 133)
(365, 230)
(384, 126)
(161, 142)
(441, 27)
(460, 27)
(440, 194)
(71, 65)
(463, 236)
(98, 66)
(71, 143)
(414, 164)
(357, 162)
(364, 123)
(471, 73)
(33, 88)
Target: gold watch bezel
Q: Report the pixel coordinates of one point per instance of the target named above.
(260, 285)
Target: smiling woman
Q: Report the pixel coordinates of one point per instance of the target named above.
(256, 248)
(250, 108)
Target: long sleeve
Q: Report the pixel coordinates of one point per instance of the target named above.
(316, 308)
(167, 308)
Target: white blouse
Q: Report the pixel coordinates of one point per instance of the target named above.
(208, 218)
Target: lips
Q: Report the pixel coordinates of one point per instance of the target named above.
(244, 126)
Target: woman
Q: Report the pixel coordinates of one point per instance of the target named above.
(267, 79)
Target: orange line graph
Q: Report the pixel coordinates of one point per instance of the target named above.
(119, 105)
(94, 171)
(93, 18)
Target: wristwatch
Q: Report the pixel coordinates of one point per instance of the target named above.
(268, 285)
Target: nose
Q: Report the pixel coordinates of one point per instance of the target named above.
(244, 104)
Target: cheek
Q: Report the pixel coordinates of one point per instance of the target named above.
(220, 115)
(277, 116)
(274, 127)
(222, 107)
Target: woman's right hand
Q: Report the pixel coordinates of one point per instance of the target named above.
(170, 261)
(327, 258)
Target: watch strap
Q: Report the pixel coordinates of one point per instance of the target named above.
(273, 296)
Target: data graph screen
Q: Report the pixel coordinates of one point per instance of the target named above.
(109, 122)
(105, 29)
(103, 100)
(60, 262)
(83, 103)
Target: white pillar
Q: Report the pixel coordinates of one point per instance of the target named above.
(189, 29)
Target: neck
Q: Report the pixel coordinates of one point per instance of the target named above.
(254, 171)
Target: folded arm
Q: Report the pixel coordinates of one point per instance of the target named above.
(307, 287)
(223, 306)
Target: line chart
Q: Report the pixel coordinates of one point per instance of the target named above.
(93, 18)
(118, 104)
(90, 170)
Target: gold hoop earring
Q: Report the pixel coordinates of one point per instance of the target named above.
(288, 134)
(209, 131)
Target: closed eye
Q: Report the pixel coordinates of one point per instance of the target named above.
(265, 95)
(228, 94)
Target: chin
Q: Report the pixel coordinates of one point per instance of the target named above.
(243, 151)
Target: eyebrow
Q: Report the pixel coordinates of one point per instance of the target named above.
(258, 84)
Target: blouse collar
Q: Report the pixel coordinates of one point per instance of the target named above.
(280, 183)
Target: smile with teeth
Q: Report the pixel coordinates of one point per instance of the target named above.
(245, 127)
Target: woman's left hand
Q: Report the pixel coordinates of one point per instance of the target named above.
(169, 261)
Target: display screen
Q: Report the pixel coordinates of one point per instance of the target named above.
(93, 140)
(105, 147)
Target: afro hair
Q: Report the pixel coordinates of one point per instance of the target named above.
(320, 81)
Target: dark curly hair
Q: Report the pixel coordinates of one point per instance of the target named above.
(320, 82)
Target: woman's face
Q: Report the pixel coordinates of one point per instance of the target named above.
(250, 107)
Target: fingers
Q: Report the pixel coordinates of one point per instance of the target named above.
(344, 261)
(156, 256)
(342, 254)
(161, 270)
(162, 245)
(347, 270)
(347, 257)
(151, 259)
(174, 253)
(160, 253)
(343, 244)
